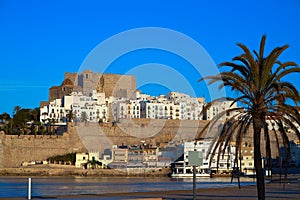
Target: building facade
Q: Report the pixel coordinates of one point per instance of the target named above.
(82, 108)
(224, 165)
(219, 107)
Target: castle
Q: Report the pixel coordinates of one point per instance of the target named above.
(122, 86)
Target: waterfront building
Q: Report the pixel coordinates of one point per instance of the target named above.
(87, 160)
(246, 161)
(169, 154)
(224, 166)
(150, 155)
(119, 156)
(294, 154)
(134, 156)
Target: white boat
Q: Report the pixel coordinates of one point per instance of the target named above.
(189, 175)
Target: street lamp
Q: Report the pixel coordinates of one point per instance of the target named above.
(195, 158)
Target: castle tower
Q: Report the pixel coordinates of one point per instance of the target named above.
(117, 85)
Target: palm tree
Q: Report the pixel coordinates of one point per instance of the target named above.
(264, 95)
(70, 116)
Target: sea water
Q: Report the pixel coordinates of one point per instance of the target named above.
(43, 187)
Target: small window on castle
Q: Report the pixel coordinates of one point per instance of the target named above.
(86, 76)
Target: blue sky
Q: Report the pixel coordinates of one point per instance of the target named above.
(40, 40)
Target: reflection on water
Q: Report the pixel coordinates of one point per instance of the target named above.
(57, 186)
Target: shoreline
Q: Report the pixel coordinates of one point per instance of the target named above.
(52, 170)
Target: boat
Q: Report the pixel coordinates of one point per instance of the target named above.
(190, 175)
(181, 170)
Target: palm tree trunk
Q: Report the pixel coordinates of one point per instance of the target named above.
(260, 179)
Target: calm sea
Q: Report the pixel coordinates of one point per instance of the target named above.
(44, 187)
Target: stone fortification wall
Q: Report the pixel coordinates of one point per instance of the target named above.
(133, 131)
(94, 137)
(14, 149)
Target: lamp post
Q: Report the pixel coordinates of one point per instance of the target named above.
(194, 183)
(195, 159)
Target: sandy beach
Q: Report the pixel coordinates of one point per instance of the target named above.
(274, 190)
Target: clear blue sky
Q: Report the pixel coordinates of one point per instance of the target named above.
(40, 40)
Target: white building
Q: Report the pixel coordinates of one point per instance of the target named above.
(97, 107)
(54, 112)
(137, 95)
(225, 164)
(88, 160)
(134, 109)
(174, 106)
(88, 109)
(157, 110)
(219, 107)
(119, 110)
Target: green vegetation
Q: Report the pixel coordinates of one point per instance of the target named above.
(94, 164)
(67, 158)
(264, 94)
(24, 121)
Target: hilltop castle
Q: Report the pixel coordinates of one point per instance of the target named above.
(122, 86)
